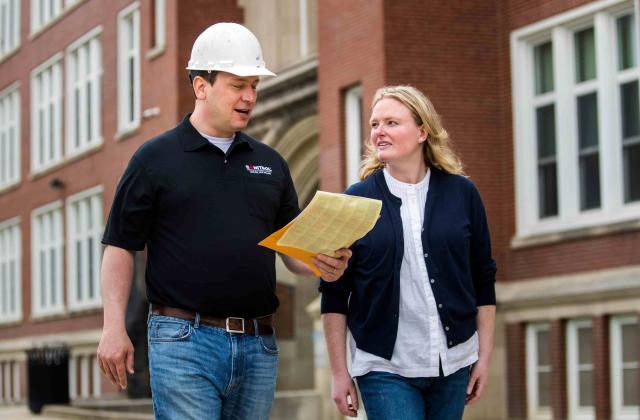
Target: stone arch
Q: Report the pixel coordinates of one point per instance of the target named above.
(299, 146)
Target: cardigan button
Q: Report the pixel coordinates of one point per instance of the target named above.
(446, 328)
(426, 255)
(451, 343)
(440, 305)
(433, 281)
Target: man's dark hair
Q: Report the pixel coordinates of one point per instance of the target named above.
(209, 76)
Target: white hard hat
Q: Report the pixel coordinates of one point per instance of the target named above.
(228, 47)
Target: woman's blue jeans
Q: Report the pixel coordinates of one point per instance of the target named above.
(389, 396)
(201, 372)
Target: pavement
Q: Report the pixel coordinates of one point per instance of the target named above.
(21, 412)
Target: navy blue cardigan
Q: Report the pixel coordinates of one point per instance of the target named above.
(457, 252)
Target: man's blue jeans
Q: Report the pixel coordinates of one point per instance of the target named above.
(390, 396)
(201, 372)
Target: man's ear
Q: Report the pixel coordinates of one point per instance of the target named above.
(199, 87)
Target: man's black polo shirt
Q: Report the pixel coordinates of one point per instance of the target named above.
(201, 214)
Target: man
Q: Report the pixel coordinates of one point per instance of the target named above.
(200, 197)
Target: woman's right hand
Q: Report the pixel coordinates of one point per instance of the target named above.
(345, 395)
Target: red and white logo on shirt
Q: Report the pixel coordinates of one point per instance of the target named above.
(258, 169)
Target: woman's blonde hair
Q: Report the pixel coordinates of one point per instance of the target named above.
(437, 150)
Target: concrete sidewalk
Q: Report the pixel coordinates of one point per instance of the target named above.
(21, 412)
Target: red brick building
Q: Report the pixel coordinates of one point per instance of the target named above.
(539, 97)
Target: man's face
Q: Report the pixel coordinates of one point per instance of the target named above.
(229, 102)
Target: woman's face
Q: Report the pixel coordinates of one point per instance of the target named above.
(395, 134)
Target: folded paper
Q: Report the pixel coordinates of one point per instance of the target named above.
(331, 221)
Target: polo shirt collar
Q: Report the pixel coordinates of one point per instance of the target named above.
(191, 140)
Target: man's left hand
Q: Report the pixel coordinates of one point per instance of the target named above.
(331, 269)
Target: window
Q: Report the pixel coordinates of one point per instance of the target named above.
(159, 41)
(84, 375)
(84, 72)
(9, 26)
(624, 367)
(84, 229)
(9, 136)
(577, 119)
(627, 80)
(44, 12)
(10, 283)
(129, 68)
(353, 132)
(46, 114)
(580, 369)
(46, 260)
(10, 381)
(538, 371)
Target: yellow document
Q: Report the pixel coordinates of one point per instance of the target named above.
(331, 221)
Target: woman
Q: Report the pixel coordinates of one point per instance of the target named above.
(418, 296)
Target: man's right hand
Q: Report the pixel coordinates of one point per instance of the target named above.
(115, 356)
(345, 395)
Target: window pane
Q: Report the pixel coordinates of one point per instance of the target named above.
(543, 348)
(629, 343)
(626, 42)
(584, 345)
(585, 397)
(589, 181)
(630, 386)
(543, 62)
(630, 109)
(544, 385)
(548, 190)
(546, 126)
(632, 173)
(588, 120)
(585, 55)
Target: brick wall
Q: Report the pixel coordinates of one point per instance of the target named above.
(350, 51)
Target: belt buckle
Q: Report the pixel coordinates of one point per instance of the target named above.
(231, 330)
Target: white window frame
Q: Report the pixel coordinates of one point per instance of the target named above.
(87, 47)
(10, 391)
(57, 244)
(160, 29)
(573, 369)
(50, 13)
(86, 360)
(50, 69)
(126, 122)
(615, 350)
(353, 132)
(94, 196)
(10, 136)
(533, 368)
(10, 25)
(303, 22)
(10, 252)
(560, 29)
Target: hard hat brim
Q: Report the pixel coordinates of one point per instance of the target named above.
(242, 71)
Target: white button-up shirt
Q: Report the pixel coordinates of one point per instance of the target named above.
(421, 341)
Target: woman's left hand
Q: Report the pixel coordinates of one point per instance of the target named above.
(331, 269)
(477, 381)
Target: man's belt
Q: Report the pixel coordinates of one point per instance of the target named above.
(230, 324)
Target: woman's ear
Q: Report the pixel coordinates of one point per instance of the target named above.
(423, 134)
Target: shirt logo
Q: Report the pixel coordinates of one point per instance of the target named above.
(258, 169)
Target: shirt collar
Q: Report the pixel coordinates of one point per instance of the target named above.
(191, 140)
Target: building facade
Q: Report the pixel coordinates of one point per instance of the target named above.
(540, 98)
